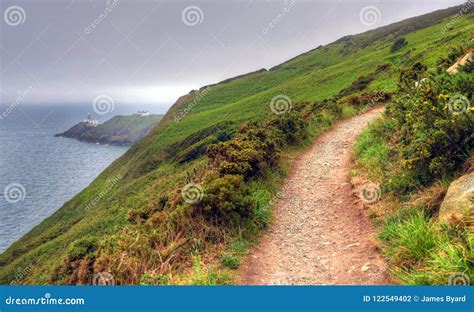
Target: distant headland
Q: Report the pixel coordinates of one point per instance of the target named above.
(119, 130)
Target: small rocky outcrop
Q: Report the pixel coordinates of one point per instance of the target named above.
(459, 200)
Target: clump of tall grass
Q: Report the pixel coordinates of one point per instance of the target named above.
(423, 252)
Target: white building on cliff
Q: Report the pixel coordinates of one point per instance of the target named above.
(91, 121)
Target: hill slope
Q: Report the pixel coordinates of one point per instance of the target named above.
(182, 204)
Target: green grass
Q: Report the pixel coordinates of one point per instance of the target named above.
(150, 171)
(409, 239)
(133, 122)
(371, 151)
(421, 252)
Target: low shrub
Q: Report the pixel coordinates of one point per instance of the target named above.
(77, 266)
(433, 138)
(348, 111)
(422, 252)
(224, 198)
(255, 147)
(230, 261)
(360, 84)
(398, 44)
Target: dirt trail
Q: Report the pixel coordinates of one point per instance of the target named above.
(319, 235)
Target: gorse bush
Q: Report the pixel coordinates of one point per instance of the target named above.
(255, 147)
(251, 151)
(410, 78)
(225, 198)
(414, 151)
(433, 124)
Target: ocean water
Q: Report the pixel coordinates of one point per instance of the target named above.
(39, 172)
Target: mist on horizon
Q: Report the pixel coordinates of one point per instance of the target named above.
(151, 52)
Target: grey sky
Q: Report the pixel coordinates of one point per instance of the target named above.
(143, 51)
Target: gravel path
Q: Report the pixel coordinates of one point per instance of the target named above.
(319, 234)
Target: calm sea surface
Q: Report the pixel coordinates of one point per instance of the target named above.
(39, 172)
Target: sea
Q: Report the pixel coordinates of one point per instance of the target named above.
(39, 172)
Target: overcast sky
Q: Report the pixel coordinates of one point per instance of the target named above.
(152, 51)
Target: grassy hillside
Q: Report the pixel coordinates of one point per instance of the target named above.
(184, 203)
(135, 123)
(120, 130)
(423, 143)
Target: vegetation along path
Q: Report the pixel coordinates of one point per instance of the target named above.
(319, 235)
